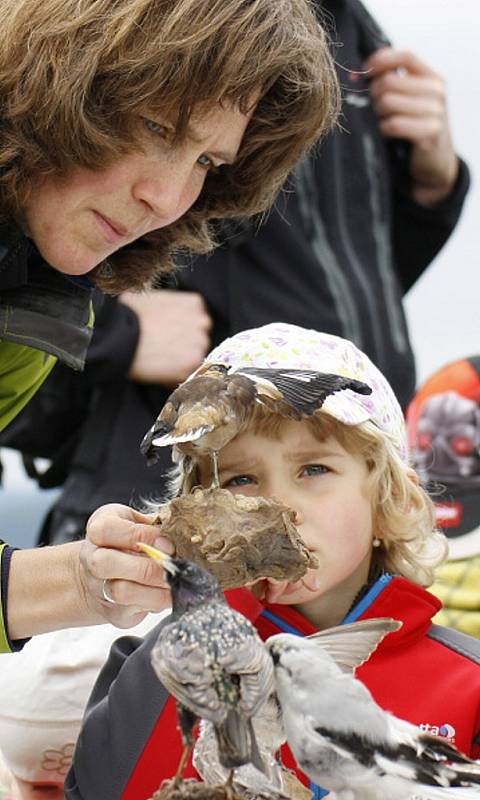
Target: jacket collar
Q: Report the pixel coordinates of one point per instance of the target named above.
(39, 306)
(14, 252)
(388, 596)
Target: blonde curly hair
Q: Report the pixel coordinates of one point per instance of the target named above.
(403, 513)
(76, 74)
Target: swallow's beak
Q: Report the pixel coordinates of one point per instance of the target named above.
(163, 559)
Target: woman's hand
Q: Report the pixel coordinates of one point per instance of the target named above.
(110, 554)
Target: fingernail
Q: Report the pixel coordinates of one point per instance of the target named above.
(162, 543)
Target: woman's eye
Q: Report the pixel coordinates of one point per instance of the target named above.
(315, 469)
(205, 161)
(155, 127)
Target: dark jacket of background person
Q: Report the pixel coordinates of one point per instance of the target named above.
(342, 246)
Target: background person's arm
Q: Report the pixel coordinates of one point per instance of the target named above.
(429, 180)
(173, 335)
(410, 100)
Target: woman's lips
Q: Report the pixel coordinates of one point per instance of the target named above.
(113, 232)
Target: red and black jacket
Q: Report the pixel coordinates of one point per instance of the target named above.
(423, 673)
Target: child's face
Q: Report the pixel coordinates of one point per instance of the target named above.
(327, 487)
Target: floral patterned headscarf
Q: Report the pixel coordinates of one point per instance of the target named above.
(281, 345)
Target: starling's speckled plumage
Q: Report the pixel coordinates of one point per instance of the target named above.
(350, 645)
(209, 409)
(211, 659)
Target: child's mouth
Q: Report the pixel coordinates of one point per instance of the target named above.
(270, 591)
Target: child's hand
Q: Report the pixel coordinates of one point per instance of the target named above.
(268, 590)
(410, 100)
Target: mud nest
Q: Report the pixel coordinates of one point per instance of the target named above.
(239, 539)
(194, 790)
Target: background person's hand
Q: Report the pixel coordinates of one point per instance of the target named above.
(109, 552)
(410, 100)
(173, 339)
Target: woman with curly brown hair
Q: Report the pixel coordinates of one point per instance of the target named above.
(125, 128)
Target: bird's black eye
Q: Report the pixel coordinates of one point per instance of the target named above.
(275, 657)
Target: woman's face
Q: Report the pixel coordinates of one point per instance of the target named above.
(78, 221)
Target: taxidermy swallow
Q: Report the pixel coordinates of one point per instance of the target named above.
(208, 410)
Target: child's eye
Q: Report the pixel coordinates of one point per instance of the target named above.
(156, 127)
(315, 469)
(238, 480)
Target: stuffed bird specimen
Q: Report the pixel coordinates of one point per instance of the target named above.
(350, 645)
(211, 659)
(238, 539)
(347, 744)
(205, 412)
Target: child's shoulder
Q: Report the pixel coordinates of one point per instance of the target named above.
(457, 641)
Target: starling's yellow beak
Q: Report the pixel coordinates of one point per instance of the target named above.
(161, 558)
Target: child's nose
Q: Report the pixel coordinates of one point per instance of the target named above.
(299, 518)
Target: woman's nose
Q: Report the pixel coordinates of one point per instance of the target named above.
(167, 197)
(162, 201)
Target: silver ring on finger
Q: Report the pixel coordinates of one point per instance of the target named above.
(106, 595)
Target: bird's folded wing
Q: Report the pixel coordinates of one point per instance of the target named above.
(184, 670)
(431, 751)
(304, 391)
(351, 645)
(250, 660)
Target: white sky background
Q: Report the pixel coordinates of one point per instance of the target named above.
(443, 307)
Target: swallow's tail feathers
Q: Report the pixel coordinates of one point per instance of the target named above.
(163, 435)
(169, 438)
(237, 744)
(450, 793)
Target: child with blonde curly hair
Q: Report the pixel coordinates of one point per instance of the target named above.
(361, 512)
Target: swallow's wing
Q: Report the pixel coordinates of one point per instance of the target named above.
(303, 391)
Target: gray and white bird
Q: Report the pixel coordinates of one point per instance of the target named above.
(206, 411)
(350, 645)
(211, 659)
(347, 744)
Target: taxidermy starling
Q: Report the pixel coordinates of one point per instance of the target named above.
(206, 411)
(211, 659)
(349, 745)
